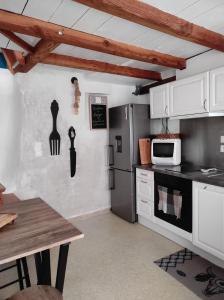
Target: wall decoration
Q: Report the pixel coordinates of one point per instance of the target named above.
(54, 139)
(74, 81)
(98, 111)
(72, 135)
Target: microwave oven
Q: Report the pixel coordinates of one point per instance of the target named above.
(166, 151)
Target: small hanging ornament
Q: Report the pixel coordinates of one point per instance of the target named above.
(76, 105)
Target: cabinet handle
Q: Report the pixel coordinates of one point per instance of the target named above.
(143, 174)
(205, 187)
(144, 201)
(205, 102)
(144, 181)
(166, 110)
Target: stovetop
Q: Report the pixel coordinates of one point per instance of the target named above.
(183, 168)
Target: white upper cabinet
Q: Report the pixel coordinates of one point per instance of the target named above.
(189, 96)
(159, 101)
(217, 90)
(208, 218)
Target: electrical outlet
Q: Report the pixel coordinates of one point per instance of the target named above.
(221, 148)
(222, 139)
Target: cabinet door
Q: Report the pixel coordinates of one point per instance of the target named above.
(159, 102)
(145, 189)
(145, 208)
(217, 90)
(189, 96)
(208, 218)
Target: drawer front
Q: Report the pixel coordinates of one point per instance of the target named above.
(145, 208)
(145, 189)
(147, 175)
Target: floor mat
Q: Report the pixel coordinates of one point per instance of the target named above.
(202, 277)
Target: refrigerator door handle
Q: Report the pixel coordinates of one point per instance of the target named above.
(126, 113)
(111, 179)
(110, 155)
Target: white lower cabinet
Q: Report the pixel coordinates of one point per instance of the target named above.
(208, 218)
(145, 208)
(145, 194)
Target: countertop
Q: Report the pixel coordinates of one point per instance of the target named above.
(194, 176)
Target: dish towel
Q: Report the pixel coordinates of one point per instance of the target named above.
(163, 195)
(170, 202)
(177, 201)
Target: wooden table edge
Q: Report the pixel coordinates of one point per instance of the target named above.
(37, 250)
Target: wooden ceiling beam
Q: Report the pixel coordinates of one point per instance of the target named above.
(152, 17)
(19, 57)
(98, 66)
(41, 50)
(10, 58)
(49, 31)
(17, 40)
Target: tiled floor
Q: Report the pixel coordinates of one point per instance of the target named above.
(115, 262)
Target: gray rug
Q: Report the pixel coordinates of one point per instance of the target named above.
(202, 277)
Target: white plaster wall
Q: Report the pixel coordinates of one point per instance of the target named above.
(202, 63)
(10, 120)
(47, 176)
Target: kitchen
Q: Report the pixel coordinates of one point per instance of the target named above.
(185, 103)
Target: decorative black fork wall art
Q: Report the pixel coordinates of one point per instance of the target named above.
(54, 139)
(72, 135)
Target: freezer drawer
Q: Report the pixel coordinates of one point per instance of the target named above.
(123, 203)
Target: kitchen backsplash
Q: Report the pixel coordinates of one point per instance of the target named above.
(201, 141)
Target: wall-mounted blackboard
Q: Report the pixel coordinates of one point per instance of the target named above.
(98, 111)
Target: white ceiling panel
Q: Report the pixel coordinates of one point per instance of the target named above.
(144, 66)
(29, 39)
(199, 8)
(91, 21)
(104, 77)
(42, 10)
(3, 41)
(170, 6)
(89, 54)
(145, 40)
(68, 13)
(211, 19)
(15, 6)
(176, 46)
(120, 30)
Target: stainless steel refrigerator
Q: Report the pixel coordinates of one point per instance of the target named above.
(127, 123)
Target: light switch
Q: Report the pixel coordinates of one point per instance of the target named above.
(222, 139)
(221, 148)
(38, 149)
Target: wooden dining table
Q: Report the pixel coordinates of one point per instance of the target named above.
(37, 229)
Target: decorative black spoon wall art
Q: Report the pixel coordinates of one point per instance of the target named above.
(54, 139)
(72, 135)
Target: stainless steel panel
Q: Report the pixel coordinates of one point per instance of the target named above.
(201, 141)
(120, 138)
(141, 127)
(123, 201)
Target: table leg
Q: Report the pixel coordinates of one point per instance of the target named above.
(20, 275)
(43, 267)
(62, 263)
(38, 263)
(46, 267)
(26, 271)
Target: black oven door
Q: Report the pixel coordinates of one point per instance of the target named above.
(173, 200)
